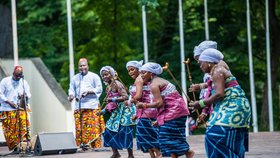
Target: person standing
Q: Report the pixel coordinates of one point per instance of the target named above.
(14, 96)
(120, 127)
(172, 112)
(206, 78)
(146, 133)
(227, 127)
(86, 88)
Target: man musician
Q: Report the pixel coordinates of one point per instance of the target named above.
(14, 96)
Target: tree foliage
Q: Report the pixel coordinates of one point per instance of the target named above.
(109, 32)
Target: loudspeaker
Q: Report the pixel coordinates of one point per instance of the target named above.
(55, 143)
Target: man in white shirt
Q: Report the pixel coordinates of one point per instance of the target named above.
(14, 96)
(86, 88)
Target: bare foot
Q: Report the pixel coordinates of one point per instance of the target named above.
(158, 153)
(116, 155)
(190, 154)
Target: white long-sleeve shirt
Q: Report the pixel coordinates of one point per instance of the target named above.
(10, 90)
(80, 84)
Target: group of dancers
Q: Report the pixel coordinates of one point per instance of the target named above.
(151, 103)
(159, 112)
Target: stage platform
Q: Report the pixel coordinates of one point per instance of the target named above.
(262, 145)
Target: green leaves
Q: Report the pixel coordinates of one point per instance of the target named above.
(109, 32)
(150, 3)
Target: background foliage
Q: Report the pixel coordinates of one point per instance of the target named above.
(109, 32)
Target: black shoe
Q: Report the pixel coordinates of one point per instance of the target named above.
(16, 150)
(84, 147)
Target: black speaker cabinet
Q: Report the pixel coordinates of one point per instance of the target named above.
(55, 143)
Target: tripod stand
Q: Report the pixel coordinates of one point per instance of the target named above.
(83, 146)
(23, 104)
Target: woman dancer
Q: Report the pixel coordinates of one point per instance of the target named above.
(146, 134)
(205, 88)
(227, 126)
(172, 112)
(119, 125)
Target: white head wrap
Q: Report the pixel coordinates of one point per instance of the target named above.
(134, 63)
(211, 55)
(154, 68)
(108, 69)
(202, 46)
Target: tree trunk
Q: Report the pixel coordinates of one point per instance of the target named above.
(275, 56)
(6, 41)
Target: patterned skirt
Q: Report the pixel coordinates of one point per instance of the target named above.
(172, 137)
(121, 139)
(146, 135)
(227, 142)
(15, 125)
(92, 127)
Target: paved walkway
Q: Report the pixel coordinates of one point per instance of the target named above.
(262, 145)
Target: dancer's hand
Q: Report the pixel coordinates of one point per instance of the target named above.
(132, 100)
(126, 102)
(201, 117)
(134, 117)
(141, 105)
(194, 88)
(155, 124)
(194, 105)
(129, 102)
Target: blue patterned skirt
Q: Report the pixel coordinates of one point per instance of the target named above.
(172, 137)
(121, 139)
(226, 142)
(146, 135)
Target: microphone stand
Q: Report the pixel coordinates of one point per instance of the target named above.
(20, 150)
(82, 145)
(28, 147)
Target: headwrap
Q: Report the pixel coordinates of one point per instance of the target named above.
(154, 68)
(134, 63)
(211, 55)
(18, 67)
(108, 69)
(202, 46)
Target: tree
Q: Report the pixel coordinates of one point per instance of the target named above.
(109, 32)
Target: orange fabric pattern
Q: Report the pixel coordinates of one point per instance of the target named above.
(92, 127)
(14, 127)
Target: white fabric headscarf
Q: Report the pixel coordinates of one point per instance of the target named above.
(202, 46)
(154, 68)
(134, 63)
(211, 55)
(108, 69)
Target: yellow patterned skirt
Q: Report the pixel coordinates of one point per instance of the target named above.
(92, 127)
(15, 125)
